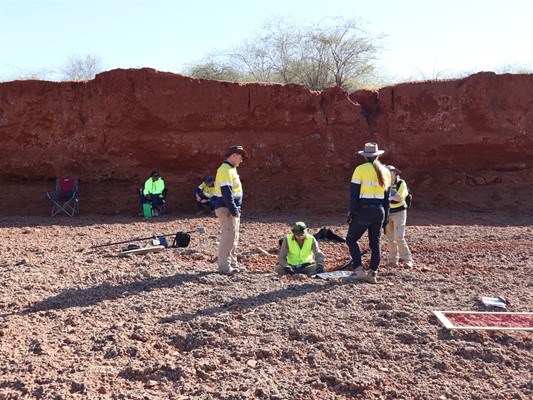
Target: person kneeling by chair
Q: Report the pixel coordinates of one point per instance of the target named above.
(299, 253)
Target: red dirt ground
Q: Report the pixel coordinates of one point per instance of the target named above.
(80, 323)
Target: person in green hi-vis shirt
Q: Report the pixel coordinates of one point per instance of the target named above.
(153, 193)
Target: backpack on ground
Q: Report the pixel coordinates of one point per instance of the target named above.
(182, 239)
(328, 234)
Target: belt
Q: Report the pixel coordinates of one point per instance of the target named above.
(370, 206)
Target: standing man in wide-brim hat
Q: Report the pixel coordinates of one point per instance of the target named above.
(369, 210)
(229, 194)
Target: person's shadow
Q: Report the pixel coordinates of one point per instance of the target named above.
(245, 303)
(91, 296)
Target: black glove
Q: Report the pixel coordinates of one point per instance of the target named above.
(319, 269)
(289, 270)
(385, 223)
(350, 217)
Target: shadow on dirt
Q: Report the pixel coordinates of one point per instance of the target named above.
(94, 295)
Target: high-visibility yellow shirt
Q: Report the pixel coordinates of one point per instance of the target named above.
(228, 188)
(208, 191)
(366, 176)
(402, 190)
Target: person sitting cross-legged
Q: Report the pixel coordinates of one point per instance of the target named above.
(299, 253)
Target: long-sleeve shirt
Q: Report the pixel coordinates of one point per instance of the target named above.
(154, 187)
(284, 251)
(228, 188)
(205, 190)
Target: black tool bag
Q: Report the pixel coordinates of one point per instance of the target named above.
(181, 239)
(328, 234)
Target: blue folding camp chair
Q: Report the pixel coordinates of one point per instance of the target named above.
(65, 198)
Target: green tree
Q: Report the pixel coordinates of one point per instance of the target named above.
(351, 53)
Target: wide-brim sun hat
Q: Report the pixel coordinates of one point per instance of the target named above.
(299, 229)
(236, 149)
(371, 150)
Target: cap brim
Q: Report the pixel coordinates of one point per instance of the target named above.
(299, 233)
(241, 152)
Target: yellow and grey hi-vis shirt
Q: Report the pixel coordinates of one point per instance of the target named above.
(228, 188)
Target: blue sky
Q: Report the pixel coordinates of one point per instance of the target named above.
(422, 37)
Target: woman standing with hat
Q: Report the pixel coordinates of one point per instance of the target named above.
(369, 209)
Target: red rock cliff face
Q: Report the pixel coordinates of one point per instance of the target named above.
(460, 143)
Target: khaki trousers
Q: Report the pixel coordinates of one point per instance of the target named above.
(229, 238)
(395, 232)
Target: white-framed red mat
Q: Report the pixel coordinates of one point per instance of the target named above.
(480, 320)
